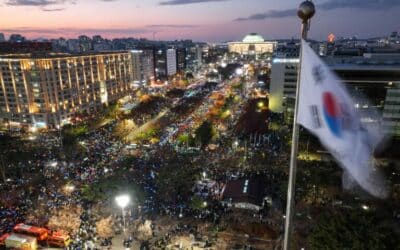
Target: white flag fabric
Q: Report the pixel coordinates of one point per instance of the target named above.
(327, 111)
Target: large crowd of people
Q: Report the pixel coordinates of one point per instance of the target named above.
(101, 155)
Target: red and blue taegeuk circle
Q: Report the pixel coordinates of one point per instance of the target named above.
(332, 113)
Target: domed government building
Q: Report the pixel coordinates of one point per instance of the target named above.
(252, 44)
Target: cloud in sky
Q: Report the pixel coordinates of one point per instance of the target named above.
(359, 4)
(44, 4)
(82, 30)
(269, 14)
(74, 32)
(329, 5)
(182, 2)
(53, 10)
(39, 3)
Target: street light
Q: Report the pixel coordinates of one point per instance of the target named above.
(239, 71)
(123, 201)
(69, 188)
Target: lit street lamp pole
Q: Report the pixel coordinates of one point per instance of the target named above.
(122, 201)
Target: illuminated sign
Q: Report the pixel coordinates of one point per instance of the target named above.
(285, 60)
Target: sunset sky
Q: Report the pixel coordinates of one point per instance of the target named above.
(200, 20)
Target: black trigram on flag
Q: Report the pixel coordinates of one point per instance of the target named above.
(316, 120)
(318, 74)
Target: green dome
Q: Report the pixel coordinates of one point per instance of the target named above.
(253, 38)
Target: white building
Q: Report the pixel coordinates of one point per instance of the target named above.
(283, 82)
(252, 44)
(171, 62)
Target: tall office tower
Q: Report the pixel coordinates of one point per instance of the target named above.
(171, 62)
(142, 65)
(165, 63)
(199, 55)
(181, 59)
(50, 90)
(2, 38)
(147, 64)
(160, 64)
(136, 66)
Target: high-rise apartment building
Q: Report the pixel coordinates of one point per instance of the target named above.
(50, 90)
(171, 62)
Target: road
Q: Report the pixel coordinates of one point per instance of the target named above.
(144, 127)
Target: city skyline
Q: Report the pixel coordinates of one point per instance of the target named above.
(199, 20)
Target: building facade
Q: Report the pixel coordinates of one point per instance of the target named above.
(48, 91)
(142, 65)
(373, 80)
(283, 82)
(160, 64)
(252, 44)
(181, 59)
(391, 114)
(171, 62)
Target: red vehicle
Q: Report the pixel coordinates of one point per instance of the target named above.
(59, 239)
(41, 234)
(3, 240)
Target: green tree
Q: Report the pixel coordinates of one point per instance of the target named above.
(352, 229)
(112, 111)
(186, 139)
(204, 133)
(70, 137)
(175, 181)
(13, 151)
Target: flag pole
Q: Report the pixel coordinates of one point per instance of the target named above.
(305, 12)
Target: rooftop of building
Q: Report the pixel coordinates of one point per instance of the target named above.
(253, 38)
(246, 190)
(52, 55)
